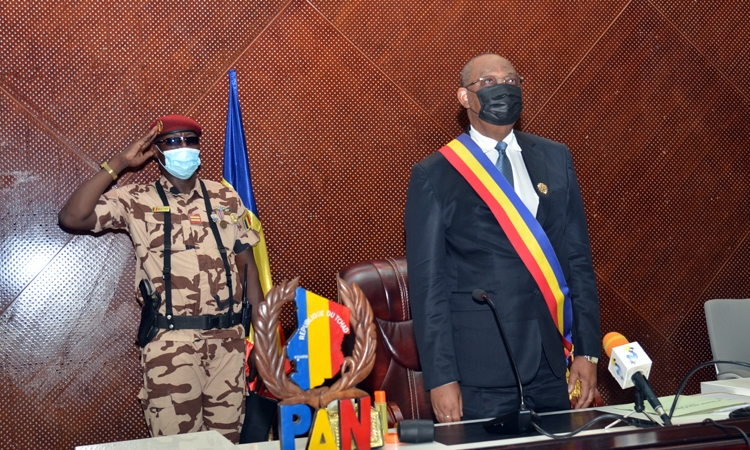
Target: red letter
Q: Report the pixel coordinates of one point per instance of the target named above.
(350, 427)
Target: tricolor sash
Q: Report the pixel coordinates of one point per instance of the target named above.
(524, 232)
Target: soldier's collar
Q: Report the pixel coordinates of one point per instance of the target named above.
(169, 187)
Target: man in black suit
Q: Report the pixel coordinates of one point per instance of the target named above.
(454, 244)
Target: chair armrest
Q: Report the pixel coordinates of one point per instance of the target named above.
(394, 414)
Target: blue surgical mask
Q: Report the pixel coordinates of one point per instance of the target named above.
(181, 162)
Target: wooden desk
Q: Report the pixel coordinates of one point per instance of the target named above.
(681, 436)
(688, 436)
(687, 433)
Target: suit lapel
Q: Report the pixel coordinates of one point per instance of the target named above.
(533, 158)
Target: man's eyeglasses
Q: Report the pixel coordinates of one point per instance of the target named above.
(514, 80)
(177, 142)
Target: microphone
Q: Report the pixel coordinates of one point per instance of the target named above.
(630, 366)
(516, 422)
(415, 431)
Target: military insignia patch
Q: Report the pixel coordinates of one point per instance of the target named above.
(542, 188)
(247, 220)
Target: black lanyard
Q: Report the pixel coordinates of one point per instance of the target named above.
(166, 273)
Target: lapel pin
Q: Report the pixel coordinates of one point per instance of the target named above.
(541, 187)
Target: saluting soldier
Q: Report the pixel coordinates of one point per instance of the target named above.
(192, 243)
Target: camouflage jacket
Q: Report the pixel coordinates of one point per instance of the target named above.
(198, 278)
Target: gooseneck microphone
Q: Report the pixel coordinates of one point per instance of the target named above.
(516, 422)
(630, 366)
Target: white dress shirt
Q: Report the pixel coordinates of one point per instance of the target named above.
(521, 180)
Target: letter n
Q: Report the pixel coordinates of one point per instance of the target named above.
(351, 428)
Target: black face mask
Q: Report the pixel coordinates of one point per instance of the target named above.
(501, 104)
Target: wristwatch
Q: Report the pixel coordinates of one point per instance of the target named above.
(591, 359)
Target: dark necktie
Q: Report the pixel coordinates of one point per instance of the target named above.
(503, 163)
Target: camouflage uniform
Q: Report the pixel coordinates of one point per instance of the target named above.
(193, 380)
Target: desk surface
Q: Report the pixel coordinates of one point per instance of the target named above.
(689, 430)
(617, 437)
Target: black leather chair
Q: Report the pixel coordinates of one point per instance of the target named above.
(397, 370)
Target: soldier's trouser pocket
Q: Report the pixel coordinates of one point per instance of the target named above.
(160, 413)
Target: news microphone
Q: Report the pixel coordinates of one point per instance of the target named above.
(516, 422)
(630, 366)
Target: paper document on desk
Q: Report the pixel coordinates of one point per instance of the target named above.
(687, 405)
(739, 386)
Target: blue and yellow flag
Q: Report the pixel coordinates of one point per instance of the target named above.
(237, 176)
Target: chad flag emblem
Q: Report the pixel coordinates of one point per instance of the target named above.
(316, 345)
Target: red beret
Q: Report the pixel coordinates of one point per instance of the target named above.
(175, 122)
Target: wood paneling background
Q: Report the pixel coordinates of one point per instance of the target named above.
(339, 99)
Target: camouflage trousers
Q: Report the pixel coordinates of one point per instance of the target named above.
(194, 386)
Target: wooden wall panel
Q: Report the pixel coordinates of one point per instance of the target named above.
(422, 45)
(660, 156)
(339, 99)
(93, 72)
(718, 30)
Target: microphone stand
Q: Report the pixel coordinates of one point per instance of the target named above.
(644, 387)
(639, 407)
(516, 422)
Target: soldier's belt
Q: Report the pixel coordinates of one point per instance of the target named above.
(204, 322)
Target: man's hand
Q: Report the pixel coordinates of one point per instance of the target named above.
(447, 403)
(584, 370)
(78, 212)
(252, 371)
(141, 150)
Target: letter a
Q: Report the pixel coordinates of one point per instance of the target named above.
(321, 436)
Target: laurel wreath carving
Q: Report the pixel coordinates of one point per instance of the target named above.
(270, 362)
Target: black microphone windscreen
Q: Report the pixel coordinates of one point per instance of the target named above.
(415, 431)
(479, 295)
